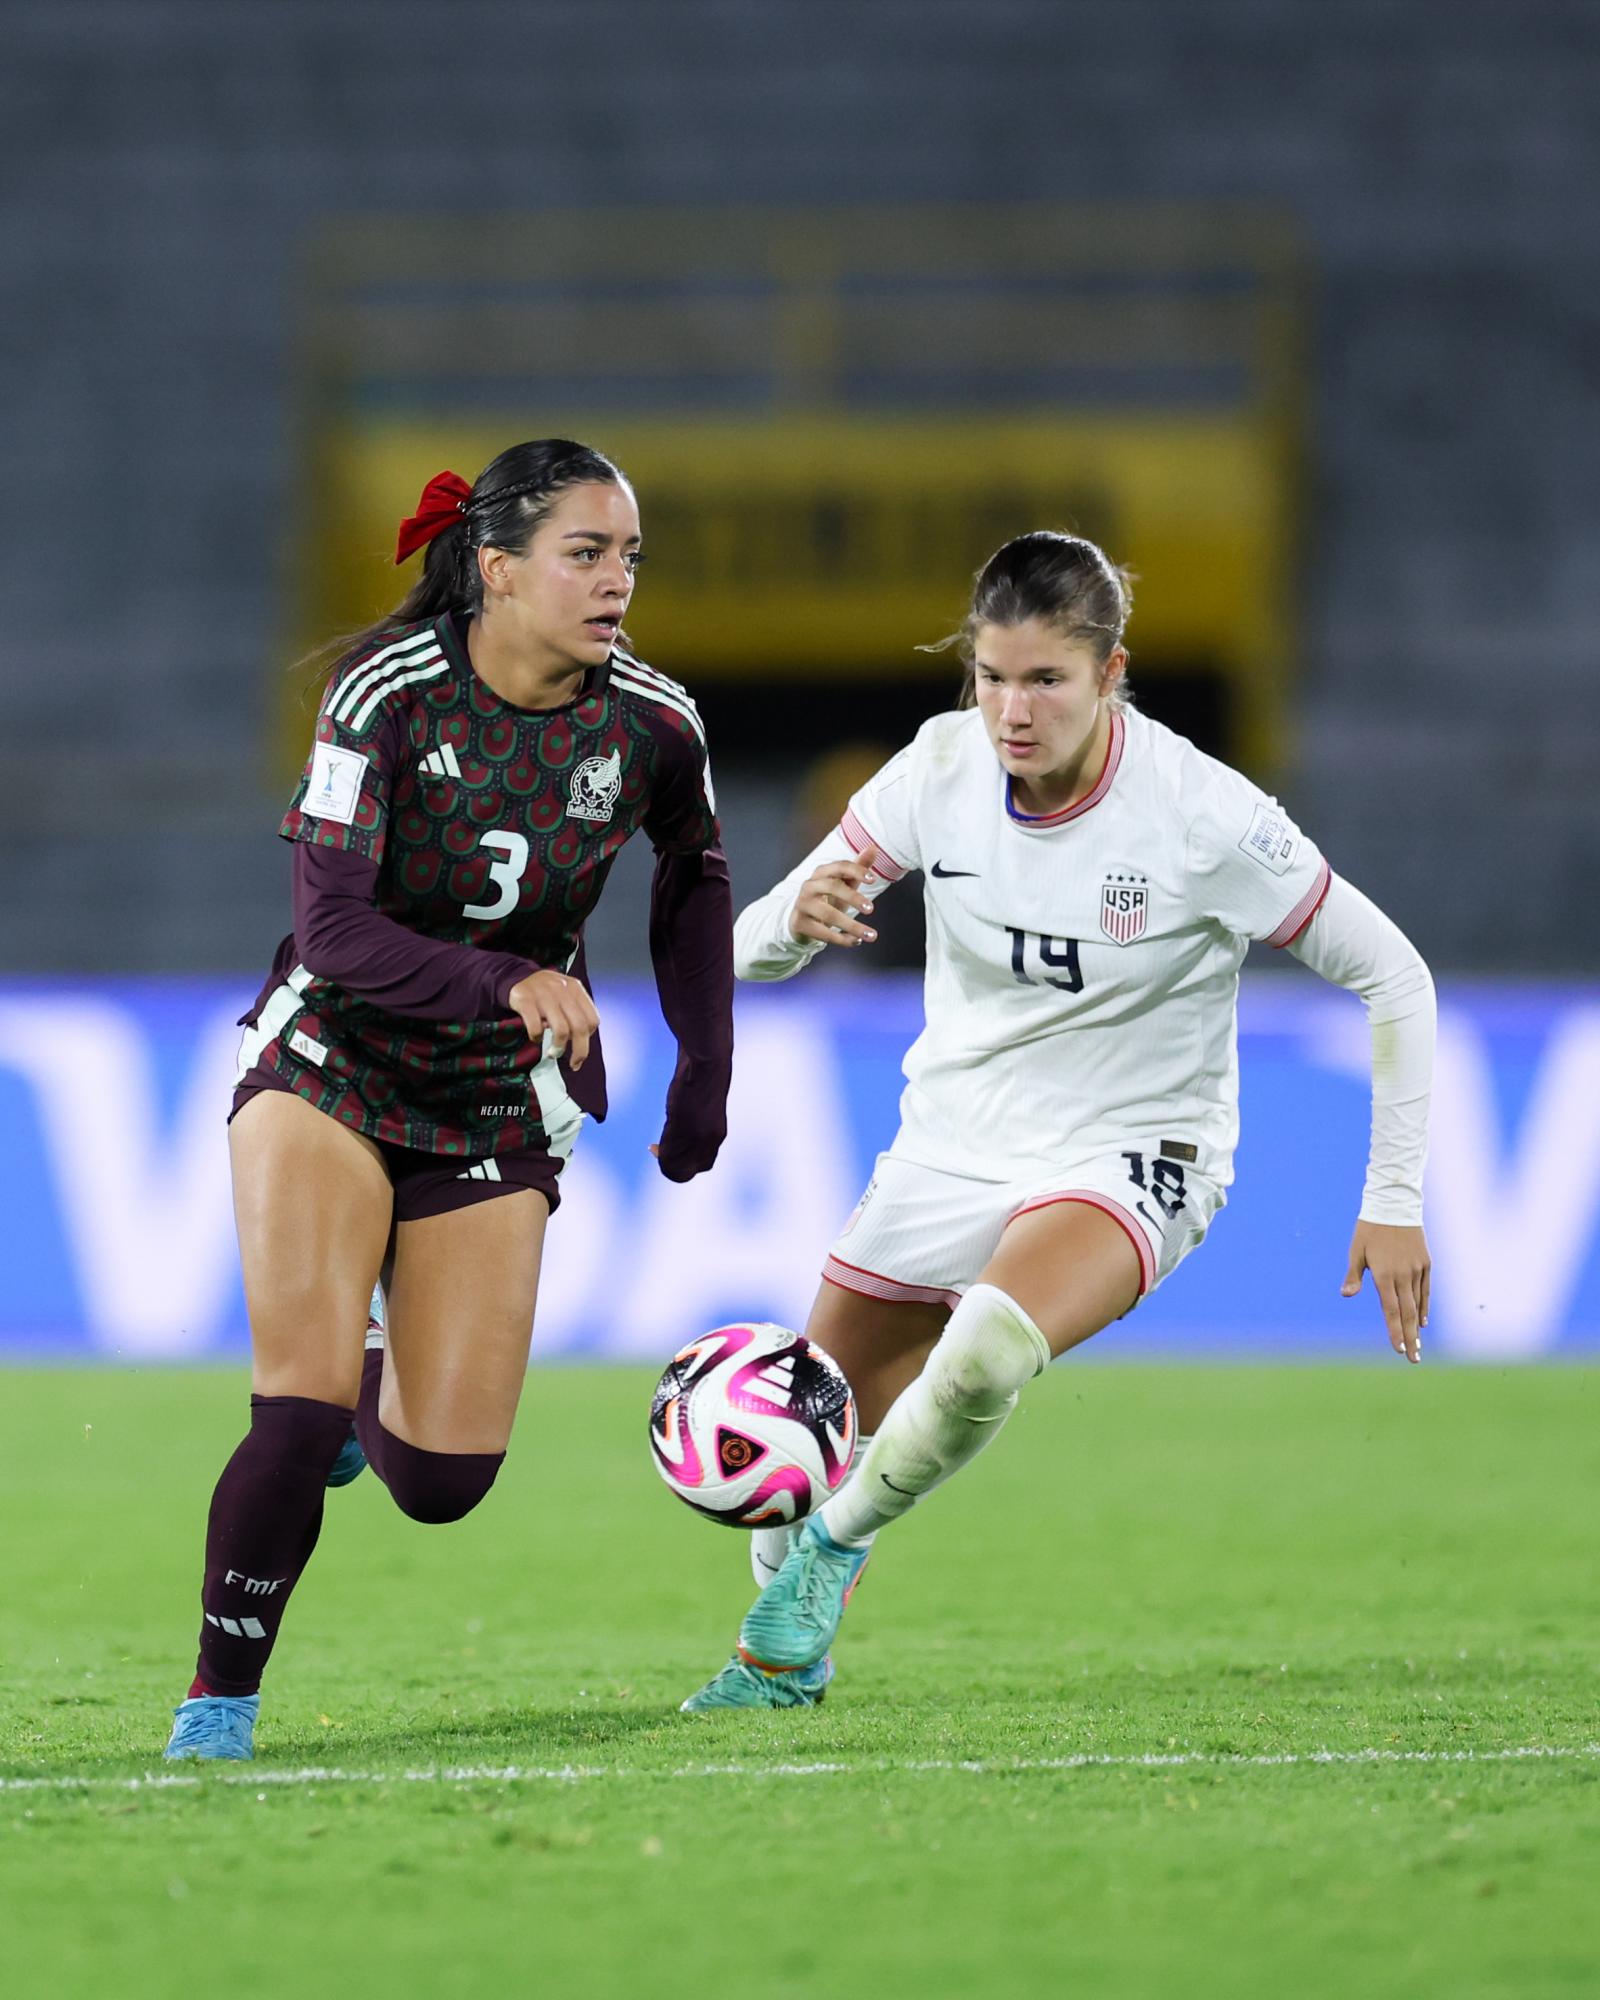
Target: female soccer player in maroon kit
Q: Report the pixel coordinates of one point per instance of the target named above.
(423, 1052)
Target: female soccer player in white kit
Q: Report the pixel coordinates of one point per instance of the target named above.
(1092, 883)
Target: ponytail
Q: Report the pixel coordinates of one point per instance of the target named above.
(500, 510)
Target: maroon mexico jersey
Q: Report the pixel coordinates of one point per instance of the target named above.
(491, 826)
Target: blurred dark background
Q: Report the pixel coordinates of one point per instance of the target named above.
(1298, 309)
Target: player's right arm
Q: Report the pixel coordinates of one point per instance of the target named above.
(338, 821)
(342, 936)
(828, 897)
(820, 902)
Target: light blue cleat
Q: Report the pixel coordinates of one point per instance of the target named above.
(352, 1460)
(793, 1622)
(742, 1686)
(215, 1726)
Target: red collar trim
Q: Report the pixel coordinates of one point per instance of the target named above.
(1102, 784)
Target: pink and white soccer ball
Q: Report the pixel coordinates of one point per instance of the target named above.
(753, 1425)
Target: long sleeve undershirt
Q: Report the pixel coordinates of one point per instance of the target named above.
(691, 949)
(1352, 943)
(342, 936)
(764, 946)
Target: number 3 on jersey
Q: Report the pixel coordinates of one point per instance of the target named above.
(505, 875)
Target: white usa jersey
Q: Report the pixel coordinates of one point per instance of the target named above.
(1083, 967)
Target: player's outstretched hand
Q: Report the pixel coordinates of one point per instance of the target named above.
(830, 904)
(552, 1000)
(1401, 1269)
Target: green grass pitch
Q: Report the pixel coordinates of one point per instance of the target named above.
(1203, 1681)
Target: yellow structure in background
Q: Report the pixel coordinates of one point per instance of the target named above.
(831, 421)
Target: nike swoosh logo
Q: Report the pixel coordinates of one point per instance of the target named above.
(896, 1489)
(945, 874)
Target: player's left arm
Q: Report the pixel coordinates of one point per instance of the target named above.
(1352, 943)
(691, 951)
(1252, 870)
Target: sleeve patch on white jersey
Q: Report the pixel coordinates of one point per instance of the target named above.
(334, 788)
(1271, 840)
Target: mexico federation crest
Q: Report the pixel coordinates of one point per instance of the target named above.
(1124, 906)
(595, 785)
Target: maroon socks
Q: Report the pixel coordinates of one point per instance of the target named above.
(431, 1486)
(266, 1514)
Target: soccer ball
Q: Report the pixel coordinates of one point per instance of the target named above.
(752, 1425)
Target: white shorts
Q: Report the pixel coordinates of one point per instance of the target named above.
(922, 1236)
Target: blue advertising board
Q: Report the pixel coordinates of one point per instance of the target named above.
(119, 1236)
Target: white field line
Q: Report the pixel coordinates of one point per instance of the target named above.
(577, 1774)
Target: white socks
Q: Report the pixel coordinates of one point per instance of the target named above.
(769, 1546)
(988, 1349)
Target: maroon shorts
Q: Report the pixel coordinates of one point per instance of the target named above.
(435, 1183)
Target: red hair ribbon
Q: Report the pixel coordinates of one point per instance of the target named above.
(443, 501)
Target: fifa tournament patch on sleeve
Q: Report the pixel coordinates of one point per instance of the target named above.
(1271, 840)
(334, 787)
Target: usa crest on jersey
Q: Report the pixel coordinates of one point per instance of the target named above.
(1124, 907)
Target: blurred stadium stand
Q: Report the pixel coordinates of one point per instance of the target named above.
(832, 418)
(173, 166)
